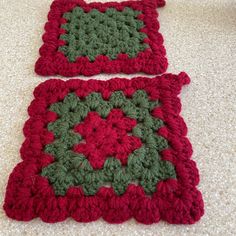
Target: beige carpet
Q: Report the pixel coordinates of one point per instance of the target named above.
(200, 38)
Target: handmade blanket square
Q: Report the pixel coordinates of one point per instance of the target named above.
(114, 149)
(93, 38)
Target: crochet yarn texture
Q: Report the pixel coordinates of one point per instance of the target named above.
(95, 38)
(114, 149)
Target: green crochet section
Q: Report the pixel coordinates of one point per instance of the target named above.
(144, 166)
(96, 33)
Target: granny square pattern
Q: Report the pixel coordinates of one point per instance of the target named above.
(93, 38)
(114, 149)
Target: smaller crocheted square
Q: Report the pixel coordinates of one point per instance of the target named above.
(92, 38)
(114, 149)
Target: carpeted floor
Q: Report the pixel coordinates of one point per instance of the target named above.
(200, 38)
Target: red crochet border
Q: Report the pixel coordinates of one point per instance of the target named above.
(150, 61)
(30, 195)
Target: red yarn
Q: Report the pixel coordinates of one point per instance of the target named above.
(151, 61)
(30, 195)
(105, 140)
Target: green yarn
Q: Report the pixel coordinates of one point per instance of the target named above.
(144, 166)
(96, 33)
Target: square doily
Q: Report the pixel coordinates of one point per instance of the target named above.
(91, 38)
(114, 149)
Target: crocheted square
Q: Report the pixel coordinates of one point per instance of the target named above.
(95, 38)
(114, 149)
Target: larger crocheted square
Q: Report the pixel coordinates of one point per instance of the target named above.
(95, 38)
(114, 149)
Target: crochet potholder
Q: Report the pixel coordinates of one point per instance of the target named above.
(114, 149)
(95, 38)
